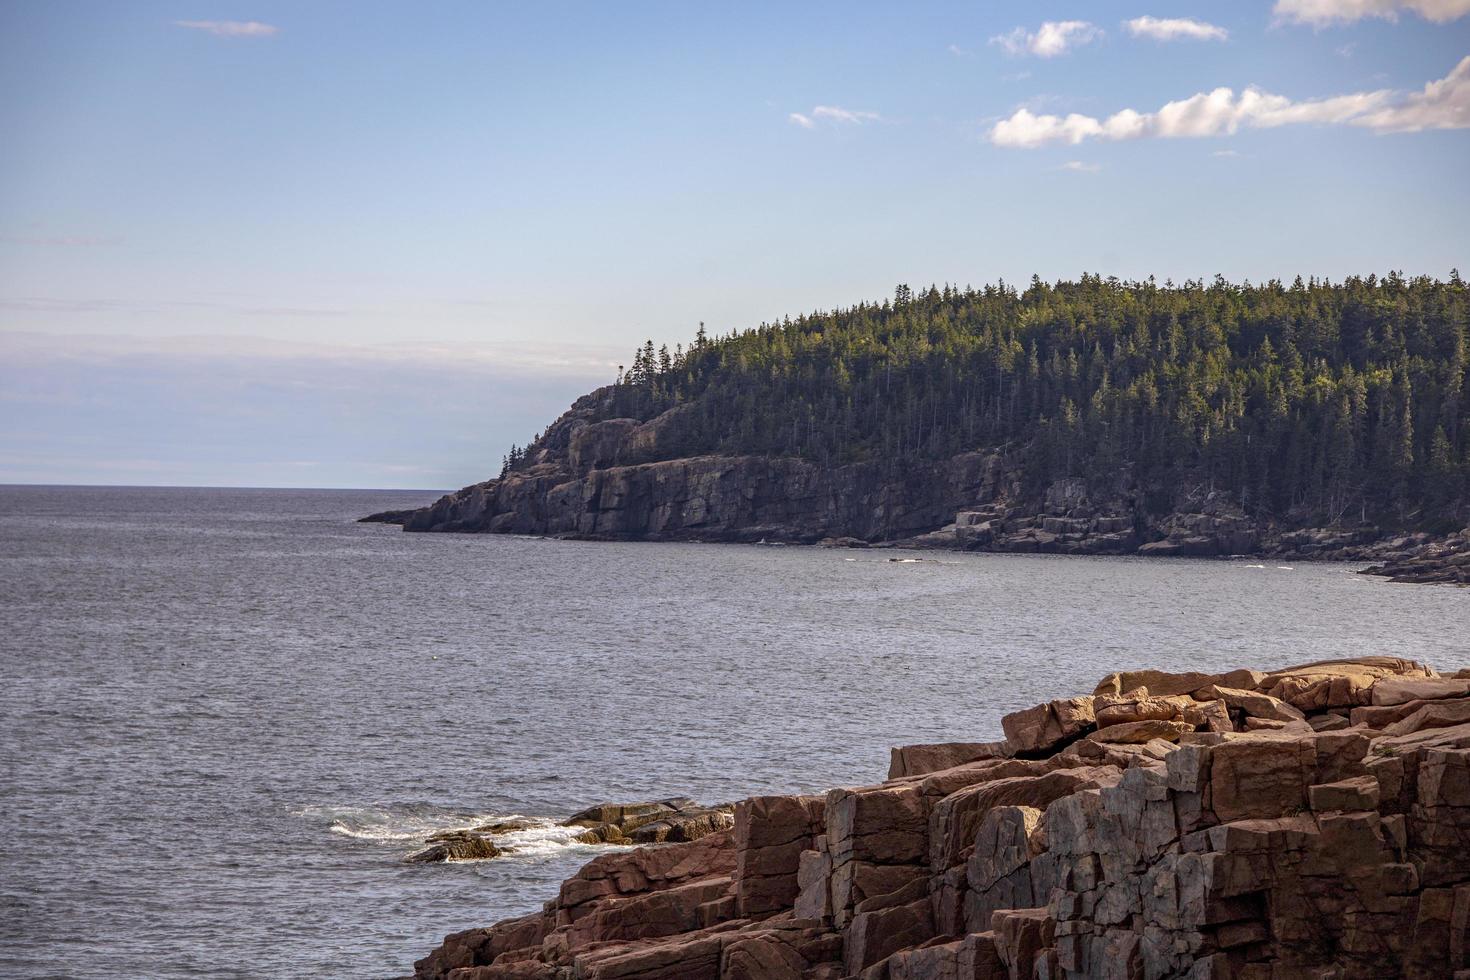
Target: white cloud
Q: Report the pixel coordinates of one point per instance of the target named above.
(1444, 104)
(833, 114)
(1050, 39)
(230, 28)
(1079, 167)
(1225, 153)
(838, 114)
(1322, 12)
(1175, 29)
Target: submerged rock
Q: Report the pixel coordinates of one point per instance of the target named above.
(1305, 849)
(455, 845)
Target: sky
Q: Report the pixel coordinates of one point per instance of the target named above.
(374, 244)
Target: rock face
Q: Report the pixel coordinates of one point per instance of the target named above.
(590, 476)
(1141, 832)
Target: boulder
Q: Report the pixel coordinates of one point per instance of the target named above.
(1252, 703)
(455, 845)
(1118, 710)
(1381, 716)
(1137, 732)
(1047, 726)
(1400, 690)
(684, 825)
(918, 760)
(1162, 683)
(1212, 716)
(1434, 714)
(1336, 683)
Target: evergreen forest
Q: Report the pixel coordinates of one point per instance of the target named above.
(1325, 401)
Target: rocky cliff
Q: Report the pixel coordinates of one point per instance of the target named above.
(1308, 822)
(590, 476)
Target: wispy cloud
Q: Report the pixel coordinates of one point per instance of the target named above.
(62, 241)
(48, 304)
(958, 51)
(1080, 167)
(832, 114)
(1443, 104)
(1322, 12)
(230, 28)
(1225, 153)
(1175, 29)
(1052, 38)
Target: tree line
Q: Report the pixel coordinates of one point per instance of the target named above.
(1334, 401)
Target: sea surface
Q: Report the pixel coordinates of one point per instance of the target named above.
(227, 715)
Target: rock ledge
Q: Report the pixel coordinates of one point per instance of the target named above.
(1307, 822)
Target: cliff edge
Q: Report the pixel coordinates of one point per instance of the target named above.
(1307, 822)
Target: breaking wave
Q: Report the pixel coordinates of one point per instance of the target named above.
(410, 825)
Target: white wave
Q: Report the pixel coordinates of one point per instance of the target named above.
(1286, 568)
(410, 822)
(543, 838)
(414, 824)
(1253, 566)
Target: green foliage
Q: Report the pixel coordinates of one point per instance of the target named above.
(1337, 400)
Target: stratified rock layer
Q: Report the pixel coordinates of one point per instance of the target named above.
(1309, 822)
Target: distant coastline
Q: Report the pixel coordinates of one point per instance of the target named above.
(1315, 421)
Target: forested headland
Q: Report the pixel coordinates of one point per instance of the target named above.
(1319, 401)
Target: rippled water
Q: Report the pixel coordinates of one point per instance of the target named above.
(226, 715)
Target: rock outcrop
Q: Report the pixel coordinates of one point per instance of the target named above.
(595, 477)
(661, 821)
(1307, 822)
(678, 819)
(1446, 561)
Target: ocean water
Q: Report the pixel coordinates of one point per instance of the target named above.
(227, 715)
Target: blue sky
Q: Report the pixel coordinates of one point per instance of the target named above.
(347, 219)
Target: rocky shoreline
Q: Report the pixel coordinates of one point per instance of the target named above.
(1445, 562)
(1307, 822)
(607, 480)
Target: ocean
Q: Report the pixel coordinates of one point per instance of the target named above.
(227, 715)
